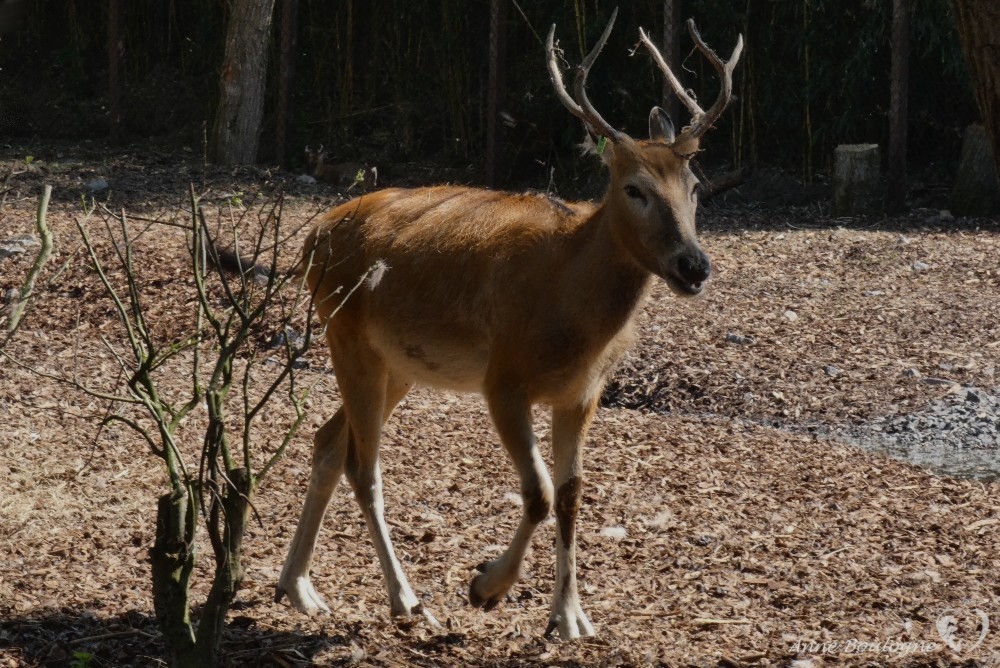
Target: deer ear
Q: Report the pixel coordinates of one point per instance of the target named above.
(660, 126)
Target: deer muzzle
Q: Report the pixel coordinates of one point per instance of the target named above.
(688, 272)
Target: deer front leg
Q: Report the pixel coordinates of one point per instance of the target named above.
(569, 428)
(512, 416)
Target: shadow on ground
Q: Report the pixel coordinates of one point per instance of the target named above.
(73, 638)
(86, 640)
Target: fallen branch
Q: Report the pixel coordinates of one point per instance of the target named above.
(721, 184)
(110, 636)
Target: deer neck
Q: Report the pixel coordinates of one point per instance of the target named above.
(612, 281)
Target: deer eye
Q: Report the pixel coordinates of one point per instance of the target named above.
(635, 193)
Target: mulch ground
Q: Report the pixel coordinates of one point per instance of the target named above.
(716, 530)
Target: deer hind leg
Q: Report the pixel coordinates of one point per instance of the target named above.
(512, 417)
(370, 395)
(329, 454)
(333, 443)
(569, 428)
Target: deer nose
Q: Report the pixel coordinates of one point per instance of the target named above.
(694, 267)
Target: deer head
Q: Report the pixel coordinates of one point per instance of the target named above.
(653, 194)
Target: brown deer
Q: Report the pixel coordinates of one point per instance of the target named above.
(341, 174)
(520, 297)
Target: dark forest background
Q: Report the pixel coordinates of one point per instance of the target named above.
(393, 82)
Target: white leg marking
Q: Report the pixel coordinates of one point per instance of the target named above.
(569, 427)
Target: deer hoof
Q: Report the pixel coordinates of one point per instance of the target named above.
(301, 596)
(572, 623)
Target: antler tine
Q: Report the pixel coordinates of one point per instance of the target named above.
(583, 110)
(675, 84)
(595, 119)
(725, 70)
(701, 120)
(556, 76)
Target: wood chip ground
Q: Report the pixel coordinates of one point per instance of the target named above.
(715, 530)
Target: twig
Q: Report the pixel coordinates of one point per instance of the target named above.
(110, 636)
(708, 621)
(27, 290)
(6, 180)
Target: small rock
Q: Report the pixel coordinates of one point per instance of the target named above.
(287, 337)
(831, 371)
(17, 245)
(95, 186)
(972, 396)
(294, 337)
(904, 240)
(791, 315)
(911, 373)
(278, 340)
(945, 216)
(920, 266)
(306, 179)
(739, 340)
(874, 293)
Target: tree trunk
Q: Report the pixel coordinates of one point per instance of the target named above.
(289, 25)
(496, 88)
(172, 558)
(898, 96)
(242, 82)
(232, 511)
(116, 45)
(978, 23)
(856, 180)
(672, 54)
(977, 190)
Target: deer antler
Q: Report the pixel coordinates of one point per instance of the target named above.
(701, 120)
(583, 110)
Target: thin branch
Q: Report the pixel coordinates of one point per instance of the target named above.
(28, 289)
(137, 428)
(66, 381)
(123, 313)
(300, 416)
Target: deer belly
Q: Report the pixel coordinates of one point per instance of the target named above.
(453, 363)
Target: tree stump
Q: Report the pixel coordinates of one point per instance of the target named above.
(856, 187)
(976, 191)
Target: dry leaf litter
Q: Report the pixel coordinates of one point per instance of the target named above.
(726, 519)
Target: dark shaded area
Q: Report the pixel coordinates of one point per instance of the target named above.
(72, 637)
(392, 82)
(69, 638)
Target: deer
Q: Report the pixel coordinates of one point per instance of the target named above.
(522, 298)
(342, 174)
